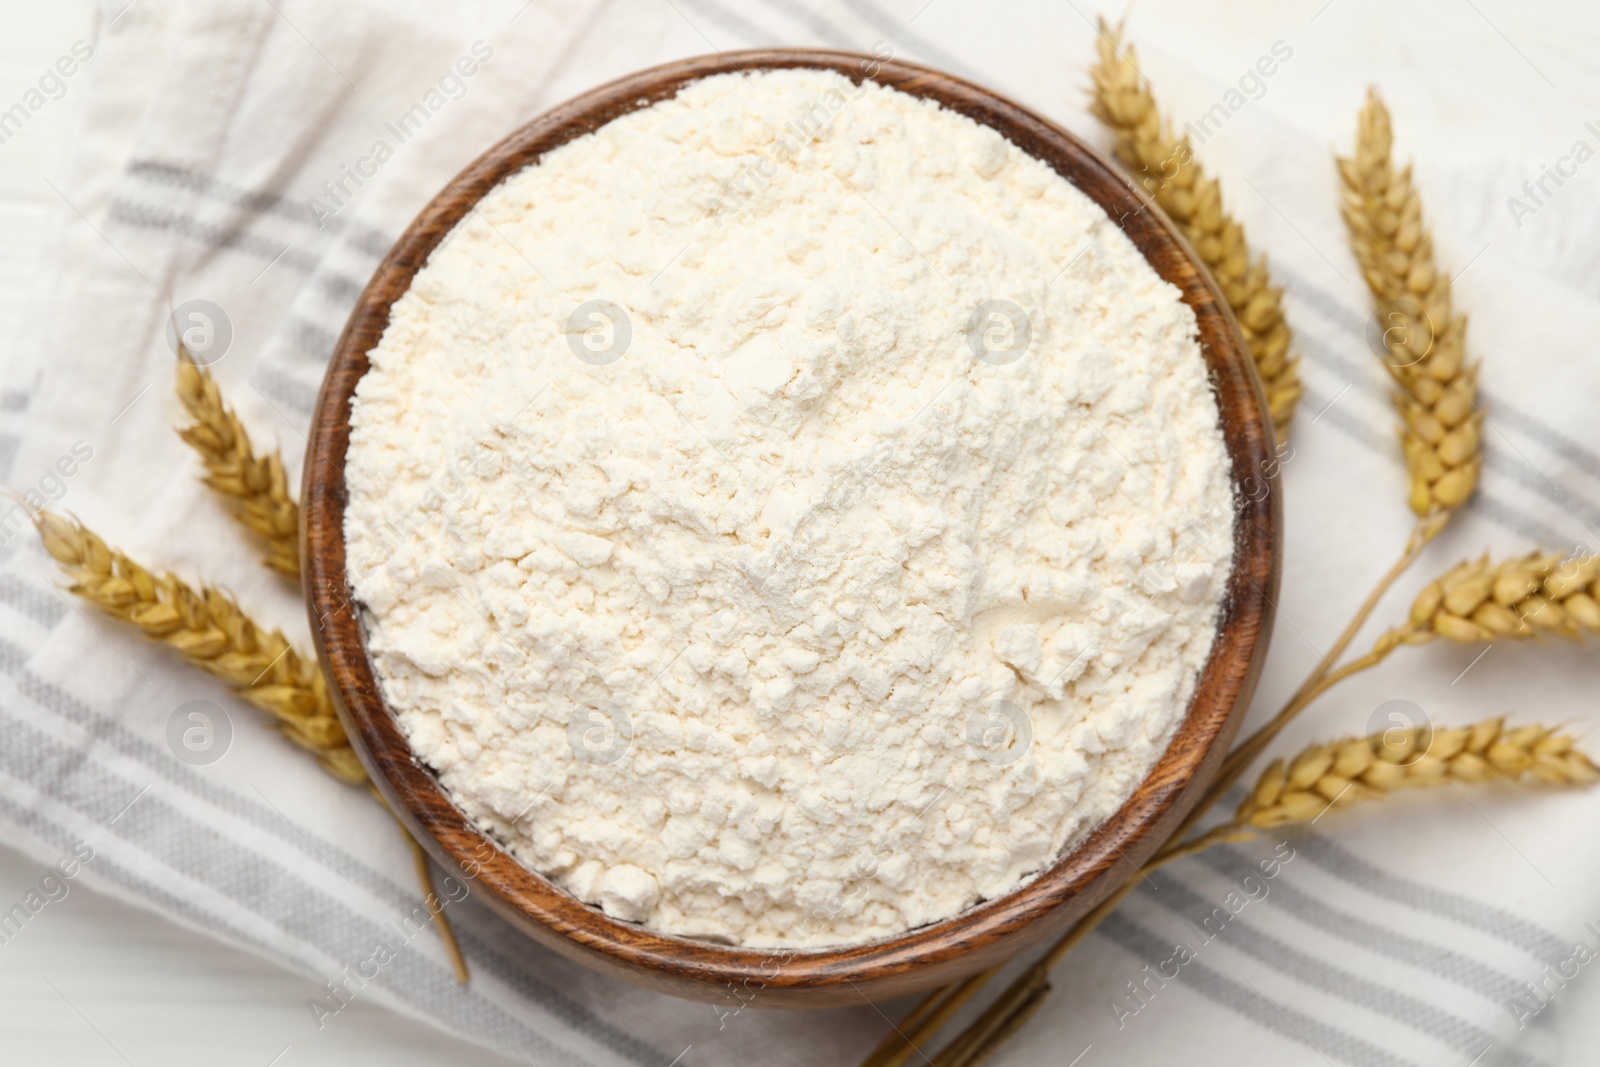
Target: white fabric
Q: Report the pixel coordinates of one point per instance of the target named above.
(1397, 933)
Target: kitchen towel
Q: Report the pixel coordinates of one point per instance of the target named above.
(229, 153)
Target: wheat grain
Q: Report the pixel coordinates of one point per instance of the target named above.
(207, 628)
(1366, 768)
(1167, 169)
(257, 485)
(1424, 339)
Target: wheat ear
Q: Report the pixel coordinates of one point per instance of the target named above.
(1366, 768)
(207, 628)
(1539, 594)
(1424, 338)
(256, 485)
(1166, 166)
(1436, 396)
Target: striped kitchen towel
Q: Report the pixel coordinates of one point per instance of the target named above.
(262, 157)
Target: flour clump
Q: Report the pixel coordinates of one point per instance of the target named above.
(789, 514)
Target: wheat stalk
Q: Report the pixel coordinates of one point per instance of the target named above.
(1424, 337)
(1299, 790)
(256, 485)
(1441, 422)
(1166, 167)
(207, 628)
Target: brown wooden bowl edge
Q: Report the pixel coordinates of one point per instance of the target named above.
(922, 958)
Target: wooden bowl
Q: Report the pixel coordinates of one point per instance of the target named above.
(925, 957)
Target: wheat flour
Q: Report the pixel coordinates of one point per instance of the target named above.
(788, 515)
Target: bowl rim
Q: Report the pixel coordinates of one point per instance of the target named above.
(982, 934)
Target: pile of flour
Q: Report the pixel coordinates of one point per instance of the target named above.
(788, 515)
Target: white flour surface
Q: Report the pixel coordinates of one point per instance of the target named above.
(788, 515)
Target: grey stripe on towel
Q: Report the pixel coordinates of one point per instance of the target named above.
(1327, 1040)
(1452, 966)
(1485, 918)
(1315, 973)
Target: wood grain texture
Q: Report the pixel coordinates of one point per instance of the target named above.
(925, 957)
